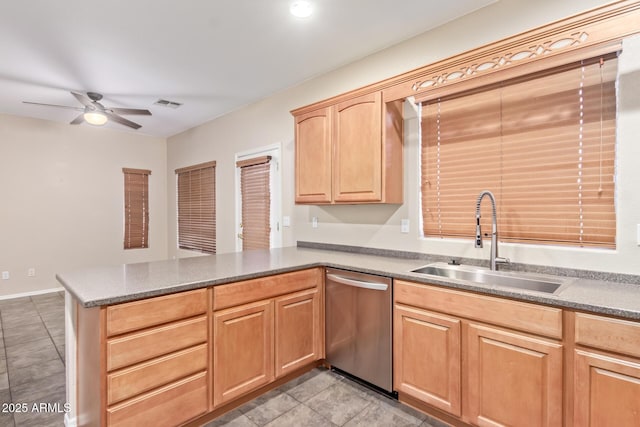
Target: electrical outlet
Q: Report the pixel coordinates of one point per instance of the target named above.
(314, 222)
(404, 226)
(5, 275)
(31, 272)
(286, 221)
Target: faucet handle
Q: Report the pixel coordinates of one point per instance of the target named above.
(502, 260)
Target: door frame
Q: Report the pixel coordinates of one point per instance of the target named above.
(275, 186)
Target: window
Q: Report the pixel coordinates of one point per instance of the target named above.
(256, 202)
(544, 144)
(136, 208)
(196, 186)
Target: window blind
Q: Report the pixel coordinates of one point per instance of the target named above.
(256, 202)
(136, 208)
(544, 144)
(196, 188)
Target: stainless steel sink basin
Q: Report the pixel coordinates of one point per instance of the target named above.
(495, 278)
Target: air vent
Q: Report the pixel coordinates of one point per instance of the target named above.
(169, 104)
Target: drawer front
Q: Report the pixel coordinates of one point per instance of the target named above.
(522, 316)
(225, 296)
(138, 347)
(620, 336)
(155, 373)
(169, 406)
(142, 314)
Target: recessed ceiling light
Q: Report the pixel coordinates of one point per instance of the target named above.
(301, 8)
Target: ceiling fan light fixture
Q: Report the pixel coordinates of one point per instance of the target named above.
(301, 8)
(95, 118)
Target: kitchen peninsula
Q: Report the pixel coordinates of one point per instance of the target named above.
(117, 312)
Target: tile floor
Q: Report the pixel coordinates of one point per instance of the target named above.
(324, 399)
(32, 371)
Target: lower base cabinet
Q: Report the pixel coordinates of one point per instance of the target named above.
(298, 340)
(482, 360)
(261, 332)
(242, 350)
(606, 371)
(172, 360)
(607, 391)
(513, 379)
(427, 357)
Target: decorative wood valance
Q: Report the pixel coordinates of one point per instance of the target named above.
(596, 31)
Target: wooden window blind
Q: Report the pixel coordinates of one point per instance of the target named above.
(136, 208)
(256, 202)
(544, 144)
(196, 189)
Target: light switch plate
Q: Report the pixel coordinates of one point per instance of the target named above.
(286, 221)
(314, 222)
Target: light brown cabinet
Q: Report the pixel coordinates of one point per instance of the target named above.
(169, 360)
(314, 156)
(258, 342)
(298, 339)
(350, 152)
(242, 350)
(156, 366)
(606, 385)
(264, 329)
(427, 357)
(484, 360)
(514, 379)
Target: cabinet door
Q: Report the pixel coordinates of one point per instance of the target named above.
(243, 350)
(427, 357)
(297, 331)
(313, 157)
(513, 379)
(358, 149)
(606, 391)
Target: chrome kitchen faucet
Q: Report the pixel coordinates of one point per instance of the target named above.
(494, 258)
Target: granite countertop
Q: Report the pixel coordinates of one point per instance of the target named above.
(115, 284)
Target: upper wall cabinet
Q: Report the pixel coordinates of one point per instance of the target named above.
(350, 152)
(313, 156)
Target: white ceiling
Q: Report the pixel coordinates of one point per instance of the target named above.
(213, 56)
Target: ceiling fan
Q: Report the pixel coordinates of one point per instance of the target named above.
(97, 114)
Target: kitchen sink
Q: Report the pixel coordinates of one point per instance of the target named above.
(495, 278)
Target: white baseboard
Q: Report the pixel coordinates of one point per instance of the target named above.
(69, 421)
(28, 294)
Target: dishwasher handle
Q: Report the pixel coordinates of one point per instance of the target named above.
(376, 286)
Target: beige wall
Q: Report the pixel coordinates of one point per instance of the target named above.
(268, 121)
(61, 198)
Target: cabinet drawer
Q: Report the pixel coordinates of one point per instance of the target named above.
(138, 347)
(155, 373)
(616, 335)
(141, 314)
(169, 406)
(522, 316)
(225, 296)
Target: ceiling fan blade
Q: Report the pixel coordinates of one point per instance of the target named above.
(116, 118)
(54, 105)
(83, 99)
(132, 111)
(78, 120)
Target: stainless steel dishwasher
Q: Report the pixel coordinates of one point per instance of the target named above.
(358, 326)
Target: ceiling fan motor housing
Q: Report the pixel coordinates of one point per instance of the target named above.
(94, 96)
